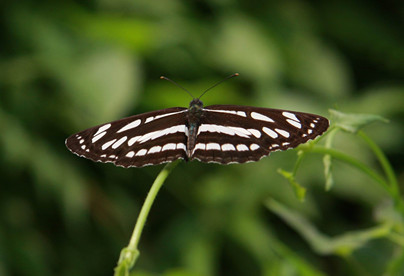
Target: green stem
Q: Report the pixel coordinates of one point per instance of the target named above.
(356, 163)
(300, 156)
(391, 188)
(383, 161)
(130, 253)
(393, 184)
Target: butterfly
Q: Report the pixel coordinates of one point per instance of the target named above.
(224, 134)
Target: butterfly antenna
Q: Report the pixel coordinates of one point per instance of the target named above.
(176, 84)
(219, 82)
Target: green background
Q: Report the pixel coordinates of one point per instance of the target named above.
(69, 65)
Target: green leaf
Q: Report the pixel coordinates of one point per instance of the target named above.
(354, 122)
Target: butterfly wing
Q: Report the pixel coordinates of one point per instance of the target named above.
(239, 134)
(147, 139)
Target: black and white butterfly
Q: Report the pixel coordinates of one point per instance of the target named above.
(224, 134)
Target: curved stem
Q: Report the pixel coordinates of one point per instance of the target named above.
(137, 232)
(356, 163)
(391, 188)
(383, 161)
(130, 253)
(393, 184)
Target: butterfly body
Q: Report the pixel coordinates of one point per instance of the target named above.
(194, 117)
(222, 134)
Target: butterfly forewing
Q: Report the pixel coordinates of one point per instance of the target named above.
(146, 139)
(238, 134)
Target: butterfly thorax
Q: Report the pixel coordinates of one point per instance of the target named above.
(195, 113)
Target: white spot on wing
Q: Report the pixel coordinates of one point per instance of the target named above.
(181, 146)
(229, 130)
(141, 152)
(154, 149)
(310, 131)
(119, 142)
(81, 141)
(169, 146)
(270, 132)
(83, 146)
(254, 147)
(234, 112)
(130, 125)
(242, 132)
(130, 154)
(169, 114)
(312, 125)
(261, 117)
(290, 116)
(212, 146)
(149, 119)
(133, 140)
(282, 132)
(255, 132)
(103, 128)
(242, 147)
(98, 136)
(228, 147)
(215, 128)
(294, 123)
(201, 146)
(107, 144)
(285, 143)
(159, 133)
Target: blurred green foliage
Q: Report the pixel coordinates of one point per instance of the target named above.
(68, 65)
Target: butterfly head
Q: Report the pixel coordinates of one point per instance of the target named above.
(195, 105)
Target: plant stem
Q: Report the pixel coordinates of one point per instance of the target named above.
(393, 184)
(130, 253)
(356, 163)
(300, 156)
(383, 161)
